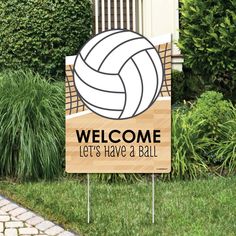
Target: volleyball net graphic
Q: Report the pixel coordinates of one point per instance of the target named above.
(74, 104)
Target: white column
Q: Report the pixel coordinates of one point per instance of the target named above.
(140, 16)
(115, 13)
(128, 14)
(121, 14)
(134, 15)
(103, 16)
(109, 13)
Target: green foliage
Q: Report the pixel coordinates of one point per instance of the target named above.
(225, 150)
(195, 84)
(187, 162)
(38, 34)
(186, 85)
(211, 108)
(178, 83)
(224, 142)
(203, 137)
(31, 126)
(207, 39)
(218, 115)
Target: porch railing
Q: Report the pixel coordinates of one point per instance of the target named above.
(113, 14)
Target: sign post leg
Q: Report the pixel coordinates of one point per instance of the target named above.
(88, 198)
(153, 199)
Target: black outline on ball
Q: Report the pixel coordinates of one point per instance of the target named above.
(93, 86)
(153, 99)
(100, 41)
(129, 40)
(125, 98)
(141, 79)
(163, 73)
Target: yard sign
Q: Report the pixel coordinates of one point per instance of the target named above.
(118, 111)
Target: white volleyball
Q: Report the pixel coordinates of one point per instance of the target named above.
(118, 74)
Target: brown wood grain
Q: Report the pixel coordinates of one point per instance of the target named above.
(156, 117)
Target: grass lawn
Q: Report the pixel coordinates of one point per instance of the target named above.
(202, 207)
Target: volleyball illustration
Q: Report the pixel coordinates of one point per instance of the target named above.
(118, 74)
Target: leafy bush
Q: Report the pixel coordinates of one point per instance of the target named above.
(217, 113)
(177, 86)
(225, 149)
(31, 126)
(187, 162)
(39, 34)
(207, 39)
(186, 85)
(219, 130)
(204, 137)
(195, 84)
(212, 108)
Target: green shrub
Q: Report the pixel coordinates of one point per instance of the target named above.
(186, 85)
(177, 86)
(195, 85)
(38, 34)
(207, 38)
(225, 149)
(212, 108)
(203, 137)
(215, 111)
(220, 133)
(31, 126)
(187, 162)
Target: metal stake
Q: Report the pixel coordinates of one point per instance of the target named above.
(153, 199)
(88, 197)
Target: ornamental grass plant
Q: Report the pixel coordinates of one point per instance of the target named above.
(31, 126)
